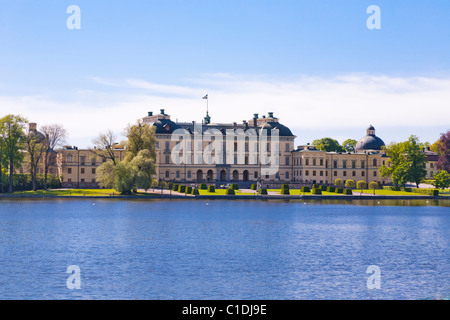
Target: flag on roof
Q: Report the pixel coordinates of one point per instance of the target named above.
(205, 97)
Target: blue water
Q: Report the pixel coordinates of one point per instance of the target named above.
(222, 250)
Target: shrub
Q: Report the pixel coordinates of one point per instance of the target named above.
(361, 185)
(338, 183)
(284, 191)
(406, 189)
(234, 186)
(391, 188)
(316, 191)
(202, 186)
(170, 186)
(188, 190)
(348, 191)
(284, 186)
(350, 184)
(181, 188)
(253, 187)
(211, 189)
(175, 187)
(305, 189)
(262, 191)
(230, 192)
(195, 192)
(339, 190)
(315, 186)
(428, 192)
(331, 189)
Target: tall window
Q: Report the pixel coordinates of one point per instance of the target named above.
(287, 161)
(82, 160)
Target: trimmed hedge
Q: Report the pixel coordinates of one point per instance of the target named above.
(406, 189)
(202, 186)
(234, 186)
(285, 186)
(348, 192)
(284, 191)
(195, 192)
(305, 189)
(339, 190)
(263, 191)
(391, 188)
(315, 186)
(230, 192)
(428, 192)
(175, 187)
(181, 188)
(331, 189)
(188, 190)
(253, 187)
(211, 189)
(316, 191)
(170, 186)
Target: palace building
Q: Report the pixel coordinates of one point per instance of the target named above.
(240, 158)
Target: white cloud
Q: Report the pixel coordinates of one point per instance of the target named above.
(346, 102)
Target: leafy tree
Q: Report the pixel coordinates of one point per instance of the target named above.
(12, 130)
(373, 185)
(140, 137)
(350, 184)
(125, 177)
(339, 183)
(155, 184)
(441, 180)
(435, 146)
(144, 166)
(105, 175)
(361, 185)
(416, 161)
(406, 162)
(55, 137)
(443, 150)
(36, 144)
(349, 145)
(328, 144)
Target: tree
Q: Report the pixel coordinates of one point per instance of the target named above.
(441, 180)
(350, 184)
(361, 185)
(55, 136)
(374, 186)
(339, 183)
(328, 145)
(155, 184)
(443, 150)
(36, 144)
(349, 145)
(105, 175)
(406, 162)
(416, 161)
(140, 137)
(104, 146)
(12, 128)
(144, 165)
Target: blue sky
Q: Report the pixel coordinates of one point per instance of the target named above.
(314, 63)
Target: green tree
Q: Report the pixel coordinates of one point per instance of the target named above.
(350, 184)
(144, 168)
(125, 177)
(36, 144)
(441, 180)
(104, 146)
(339, 183)
(373, 185)
(406, 162)
(140, 137)
(12, 128)
(349, 145)
(361, 185)
(328, 145)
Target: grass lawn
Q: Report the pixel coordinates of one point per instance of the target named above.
(76, 192)
(221, 192)
(297, 192)
(383, 192)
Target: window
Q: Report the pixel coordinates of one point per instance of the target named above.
(177, 174)
(287, 175)
(82, 180)
(321, 162)
(374, 162)
(157, 145)
(256, 175)
(314, 173)
(344, 164)
(374, 173)
(306, 162)
(431, 165)
(345, 173)
(189, 174)
(363, 164)
(167, 174)
(93, 160)
(167, 146)
(335, 164)
(69, 170)
(246, 147)
(354, 173)
(363, 174)
(82, 160)
(93, 180)
(69, 180)
(82, 170)
(287, 161)
(314, 162)
(93, 170)
(335, 173)
(69, 158)
(167, 159)
(353, 164)
(321, 173)
(307, 173)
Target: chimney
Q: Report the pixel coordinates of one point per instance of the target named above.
(32, 126)
(255, 118)
(150, 113)
(162, 112)
(270, 114)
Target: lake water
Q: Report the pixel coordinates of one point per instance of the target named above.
(223, 249)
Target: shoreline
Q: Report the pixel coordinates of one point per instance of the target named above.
(231, 197)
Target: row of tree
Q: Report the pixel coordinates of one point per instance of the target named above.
(16, 141)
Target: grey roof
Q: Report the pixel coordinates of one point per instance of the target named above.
(370, 142)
